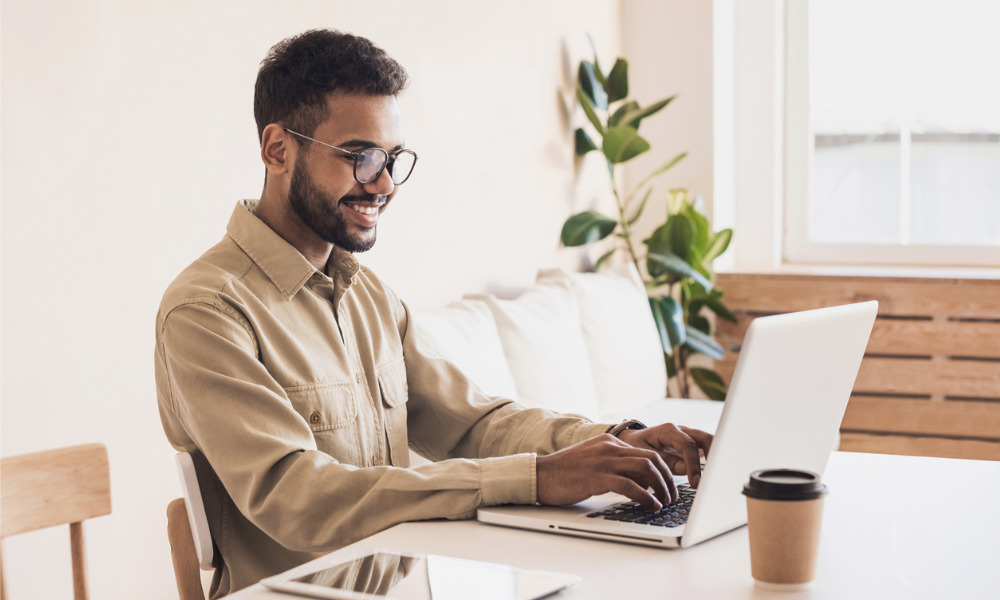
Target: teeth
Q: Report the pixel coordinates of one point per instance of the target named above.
(366, 210)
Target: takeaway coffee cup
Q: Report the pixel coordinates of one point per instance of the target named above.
(784, 511)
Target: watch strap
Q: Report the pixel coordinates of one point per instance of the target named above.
(626, 424)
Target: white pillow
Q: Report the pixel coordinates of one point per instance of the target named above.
(464, 333)
(623, 346)
(541, 336)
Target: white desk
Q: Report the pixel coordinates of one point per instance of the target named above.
(893, 527)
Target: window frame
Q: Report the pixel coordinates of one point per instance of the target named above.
(798, 136)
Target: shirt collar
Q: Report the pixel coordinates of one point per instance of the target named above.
(287, 269)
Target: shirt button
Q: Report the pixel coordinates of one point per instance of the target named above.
(357, 378)
(315, 417)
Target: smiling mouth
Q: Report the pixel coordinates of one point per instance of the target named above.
(364, 209)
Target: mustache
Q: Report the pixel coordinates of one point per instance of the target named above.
(366, 198)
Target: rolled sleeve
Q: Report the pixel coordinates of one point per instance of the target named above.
(508, 480)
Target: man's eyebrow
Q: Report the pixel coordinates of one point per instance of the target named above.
(369, 144)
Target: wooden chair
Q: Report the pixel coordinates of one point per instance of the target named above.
(56, 487)
(187, 529)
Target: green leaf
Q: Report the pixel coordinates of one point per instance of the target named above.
(714, 302)
(709, 382)
(704, 343)
(702, 230)
(669, 316)
(583, 142)
(675, 265)
(639, 114)
(588, 109)
(592, 86)
(586, 227)
(616, 118)
(597, 65)
(698, 322)
(604, 257)
(623, 143)
(673, 237)
(682, 233)
(663, 169)
(677, 199)
(718, 244)
(617, 84)
(659, 241)
(642, 205)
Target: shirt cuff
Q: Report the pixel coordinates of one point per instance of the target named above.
(508, 480)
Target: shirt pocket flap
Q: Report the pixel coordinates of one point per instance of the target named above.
(325, 405)
(392, 383)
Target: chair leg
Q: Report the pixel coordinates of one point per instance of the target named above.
(3, 580)
(79, 564)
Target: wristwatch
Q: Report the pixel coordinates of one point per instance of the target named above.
(626, 424)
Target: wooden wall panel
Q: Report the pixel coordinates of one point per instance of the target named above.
(920, 446)
(930, 380)
(951, 418)
(897, 296)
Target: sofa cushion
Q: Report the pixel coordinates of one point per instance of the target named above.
(622, 344)
(541, 335)
(464, 332)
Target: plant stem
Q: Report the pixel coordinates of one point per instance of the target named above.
(682, 379)
(623, 221)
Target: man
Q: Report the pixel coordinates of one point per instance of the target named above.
(293, 374)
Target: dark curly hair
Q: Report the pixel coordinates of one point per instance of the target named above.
(298, 73)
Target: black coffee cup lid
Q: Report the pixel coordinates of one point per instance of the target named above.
(784, 484)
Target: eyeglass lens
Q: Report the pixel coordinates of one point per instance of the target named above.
(371, 161)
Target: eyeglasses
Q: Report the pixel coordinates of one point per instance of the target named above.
(370, 162)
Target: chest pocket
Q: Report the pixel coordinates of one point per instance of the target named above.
(331, 411)
(392, 388)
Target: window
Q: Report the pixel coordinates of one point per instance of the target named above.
(892, 132)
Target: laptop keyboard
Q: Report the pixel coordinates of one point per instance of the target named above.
(671, 515)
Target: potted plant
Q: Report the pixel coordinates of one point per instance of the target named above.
(676, 263)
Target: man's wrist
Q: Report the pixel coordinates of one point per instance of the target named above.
(626, 425)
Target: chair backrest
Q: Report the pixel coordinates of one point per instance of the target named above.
(195, 506)
(182, 552)
(56, 487)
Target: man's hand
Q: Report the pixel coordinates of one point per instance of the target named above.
(681, 447)
(640, 465)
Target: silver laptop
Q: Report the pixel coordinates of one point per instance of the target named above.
(784, 407)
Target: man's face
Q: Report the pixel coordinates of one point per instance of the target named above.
(323, 191)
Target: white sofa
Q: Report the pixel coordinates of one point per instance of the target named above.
(582, 343)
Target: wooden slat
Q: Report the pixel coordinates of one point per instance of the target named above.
(944, 338)
(914, 377)
(926, 417)
(54, 487)
(913, 337)
(962, 378)
(974, 298)
(919, 446)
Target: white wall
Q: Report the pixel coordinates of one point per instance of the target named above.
(668, 44)
(127, 136)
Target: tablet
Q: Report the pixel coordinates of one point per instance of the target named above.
(387, 574)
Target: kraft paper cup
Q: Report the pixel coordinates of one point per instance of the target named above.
(784, 513)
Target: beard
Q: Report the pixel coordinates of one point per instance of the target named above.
(324, 214)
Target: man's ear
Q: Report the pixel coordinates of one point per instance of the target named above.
(277, 150)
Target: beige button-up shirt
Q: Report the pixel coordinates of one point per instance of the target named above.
(300, 393)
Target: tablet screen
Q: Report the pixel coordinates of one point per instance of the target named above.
(418, 577)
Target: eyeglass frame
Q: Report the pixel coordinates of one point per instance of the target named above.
(357, 154)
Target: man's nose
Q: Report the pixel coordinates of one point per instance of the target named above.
(382, 185)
